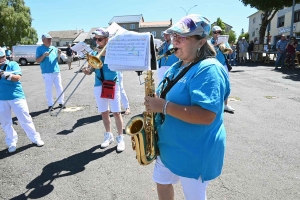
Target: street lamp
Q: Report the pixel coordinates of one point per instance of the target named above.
(187, 12)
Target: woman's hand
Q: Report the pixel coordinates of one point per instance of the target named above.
(154, 104)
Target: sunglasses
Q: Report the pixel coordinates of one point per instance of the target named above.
(217, 32)
(99, 39)
(178, 37)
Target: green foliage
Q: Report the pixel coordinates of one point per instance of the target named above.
(221, 24)
(246, 35)
(15, 25)
(232, 36)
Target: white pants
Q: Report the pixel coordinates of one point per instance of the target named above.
(104, 104)
(20, 108)
(161, 72)
(50, 79)
(124, 98)
(193, 189)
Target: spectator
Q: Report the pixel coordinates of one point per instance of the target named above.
(243, 46)
(291, 51)
(232, 56)
(281, 51)
(250, 49)
(69, 52)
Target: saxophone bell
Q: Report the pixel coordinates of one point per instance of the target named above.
(224, 49)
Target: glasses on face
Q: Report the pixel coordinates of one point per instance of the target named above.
(216, 32)
(178, 38)
(99, 39)
(2, 57)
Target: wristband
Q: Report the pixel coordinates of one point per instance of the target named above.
(165, 108)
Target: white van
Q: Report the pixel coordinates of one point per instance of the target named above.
(24, 54)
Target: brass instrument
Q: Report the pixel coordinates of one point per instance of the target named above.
(224, 48)
(95, 61)
(142, 128)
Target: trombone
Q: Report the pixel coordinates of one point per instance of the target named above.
(94, 62)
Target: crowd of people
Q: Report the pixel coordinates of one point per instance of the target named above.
(189, 109)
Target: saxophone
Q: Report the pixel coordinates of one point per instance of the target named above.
(142, 129)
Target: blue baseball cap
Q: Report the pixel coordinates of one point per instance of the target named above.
(2, 53)
(46, 36)
(190, 25)
(101, 32)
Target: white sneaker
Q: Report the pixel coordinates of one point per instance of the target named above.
(108, 139)
(12, 148)
(39, 142)
(229, 108)
(121, 143)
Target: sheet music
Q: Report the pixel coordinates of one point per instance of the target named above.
(129, 51)
(222, 39)
(81, 48)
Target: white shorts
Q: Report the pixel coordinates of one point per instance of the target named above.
(243, 54)
(104, 104)
(193, 189)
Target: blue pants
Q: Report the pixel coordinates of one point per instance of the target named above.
(280, 56)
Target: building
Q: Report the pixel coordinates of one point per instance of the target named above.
(137, 23)
(63, 38)
(280, 24)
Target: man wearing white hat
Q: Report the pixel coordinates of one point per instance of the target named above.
(48, 55)
(12, 98)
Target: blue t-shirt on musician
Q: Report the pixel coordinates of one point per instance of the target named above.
(11, 90)
(171, 59)
(220, 56)
(49, 64)
(195, 150)
(108, 74)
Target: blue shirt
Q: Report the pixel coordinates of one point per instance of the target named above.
(171, 59)
(7, 52)
(108, 74)
(195, 150)
(11, 90)
(220, 56)
(49, 64)
(281, 44)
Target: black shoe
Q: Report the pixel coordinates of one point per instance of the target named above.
(61, 106)
(50, 108)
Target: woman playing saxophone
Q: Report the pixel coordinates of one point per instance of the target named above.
(190, 115)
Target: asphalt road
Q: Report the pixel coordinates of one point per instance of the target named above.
(262, 156)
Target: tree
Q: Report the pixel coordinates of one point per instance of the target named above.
(269, 9)
(15, 24)
(232, 36)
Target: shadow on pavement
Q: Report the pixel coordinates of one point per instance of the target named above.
(4, 153)
(32, 114)
(74, 164)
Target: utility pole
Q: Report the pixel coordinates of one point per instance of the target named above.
(187, 12)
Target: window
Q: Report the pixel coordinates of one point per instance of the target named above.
(57, 44)
(124, 26)
(254, 19)
(280, 22)
(132, 26)
(297, 16)
(153, 33)
(253, 33)
(162, 34)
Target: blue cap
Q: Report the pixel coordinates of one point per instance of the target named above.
(190, 25)
(101, 32)
(46, 36)
(2, 52)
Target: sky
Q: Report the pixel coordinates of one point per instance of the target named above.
(79, 14)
